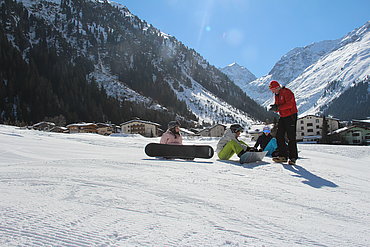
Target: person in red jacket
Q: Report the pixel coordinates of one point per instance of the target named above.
(286, 106)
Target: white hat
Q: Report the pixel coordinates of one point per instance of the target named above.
(266, 129)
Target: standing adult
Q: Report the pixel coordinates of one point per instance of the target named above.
(286, 106)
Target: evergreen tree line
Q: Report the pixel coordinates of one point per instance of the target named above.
(136, 55)
(57, 69)
(50, 82)
(354, 103)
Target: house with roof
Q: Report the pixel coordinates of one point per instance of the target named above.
(257, 129)
(142, 127)
(309, 128)
(186, 132)
(105, 129)
(59, 129)
(217, 130)
(361, 123)
(43, 126)
(82, 128)
(354, 135)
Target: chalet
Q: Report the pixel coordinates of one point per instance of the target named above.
(351, 135)
(309, 128)
(361, 123)
(144, 128)
(185, 132)
(105, 129)
(82, 128)
(256, 130)
(44, 126)
(217, 130)
(58, 129)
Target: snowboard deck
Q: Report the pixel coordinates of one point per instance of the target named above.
(249, 157)
(179, 151)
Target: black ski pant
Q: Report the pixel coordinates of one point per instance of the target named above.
(287, 126)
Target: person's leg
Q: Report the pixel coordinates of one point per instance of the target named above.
(291, 132)
(229, 150)
(271, 147)
(280, 137)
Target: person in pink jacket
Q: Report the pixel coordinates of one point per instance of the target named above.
(172, 135)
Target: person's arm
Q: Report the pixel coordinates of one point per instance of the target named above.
(164, 139)
(258, 142)
(180, 139)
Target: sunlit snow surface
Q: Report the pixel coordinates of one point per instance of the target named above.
(91, 190)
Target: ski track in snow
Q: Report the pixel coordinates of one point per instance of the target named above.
(91, 190)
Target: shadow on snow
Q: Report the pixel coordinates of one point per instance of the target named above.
(180, 160)
(245, 165)
(311, 179)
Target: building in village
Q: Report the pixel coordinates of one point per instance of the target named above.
(49, 127)
(361, 123)
(309, 128)
(105, 129)
(82, 128)
(217, 130)
(43, 126)
(186, 132)
(58, 129)
(144, 128)
(355, 135)
(256, 130)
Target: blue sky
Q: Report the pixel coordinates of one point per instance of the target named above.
(253, 33)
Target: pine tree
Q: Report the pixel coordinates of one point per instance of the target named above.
(324, 131)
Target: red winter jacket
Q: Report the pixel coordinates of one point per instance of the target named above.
(286, 102)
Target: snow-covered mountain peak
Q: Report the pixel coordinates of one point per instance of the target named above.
(318, 73)
(356, 34)
(238, 74)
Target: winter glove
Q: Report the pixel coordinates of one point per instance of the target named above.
(274, 107)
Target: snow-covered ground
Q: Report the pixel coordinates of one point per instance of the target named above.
(91, 190)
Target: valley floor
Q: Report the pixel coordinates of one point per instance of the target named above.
(91, 190)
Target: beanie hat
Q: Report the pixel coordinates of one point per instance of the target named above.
(173, 124)
(236, 127)
(266, 129)
(274, 84)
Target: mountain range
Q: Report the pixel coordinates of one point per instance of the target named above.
(328, 77)
(87, 60)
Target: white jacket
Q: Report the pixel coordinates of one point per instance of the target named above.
(228, 136)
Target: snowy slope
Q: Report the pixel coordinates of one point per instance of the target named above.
(334, 73)
(91, 190)
(288, 68)
(202, 102)
(209, 108)
(319, 72)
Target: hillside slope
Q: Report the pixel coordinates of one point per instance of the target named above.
(131, 60)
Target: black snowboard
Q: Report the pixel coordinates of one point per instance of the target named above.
(179, 151)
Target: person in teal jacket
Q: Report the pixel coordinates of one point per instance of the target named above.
(229, 144)
(266, 141)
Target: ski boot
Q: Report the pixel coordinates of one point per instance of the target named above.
(280, 159)
(292, 162)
